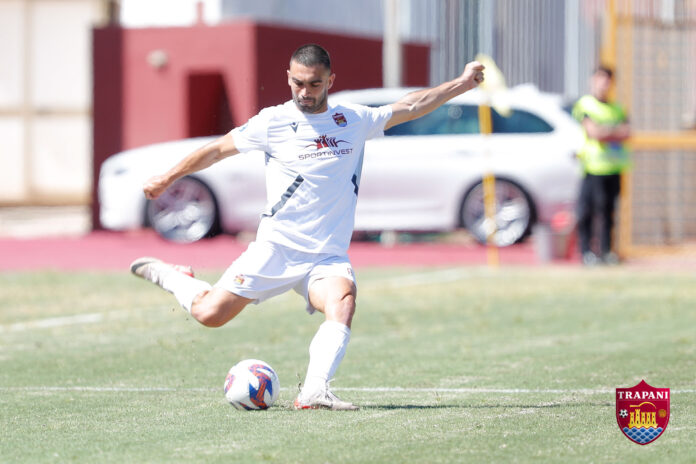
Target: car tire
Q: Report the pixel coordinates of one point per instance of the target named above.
(514, 213)
(186, 212)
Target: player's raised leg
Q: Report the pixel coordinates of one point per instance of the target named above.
(335, 297)
(212, 307)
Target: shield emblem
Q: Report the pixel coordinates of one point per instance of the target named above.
(340, 119)
(642, 412)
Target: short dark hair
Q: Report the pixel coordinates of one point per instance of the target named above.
(312, 55)
(605, 70)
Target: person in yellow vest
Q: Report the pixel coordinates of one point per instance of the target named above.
(604, 156)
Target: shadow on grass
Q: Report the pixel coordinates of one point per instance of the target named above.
(483, 406)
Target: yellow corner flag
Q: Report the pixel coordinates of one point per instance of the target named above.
(493, 87)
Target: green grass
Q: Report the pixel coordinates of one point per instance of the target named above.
(515, 365)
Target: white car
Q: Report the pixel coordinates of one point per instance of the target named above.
(424, 175)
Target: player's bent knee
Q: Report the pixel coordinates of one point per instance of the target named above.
(215, 310)
(209, 316)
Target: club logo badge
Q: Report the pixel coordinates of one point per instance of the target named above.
(327, 142)
(642, 412)
(340, 120)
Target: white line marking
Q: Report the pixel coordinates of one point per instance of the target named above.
(52, 322)
(408, 280)
(474, 390)
(106, 389)
(421, 278)
(581, 391)
(511, 391)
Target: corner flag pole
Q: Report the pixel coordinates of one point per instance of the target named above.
(492, 87)
(486, 128)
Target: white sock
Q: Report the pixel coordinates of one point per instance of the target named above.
(184, 288)
(325, 354)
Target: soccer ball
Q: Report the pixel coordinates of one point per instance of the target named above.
(252, 384)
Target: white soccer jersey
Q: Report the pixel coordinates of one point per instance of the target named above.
(313, 166)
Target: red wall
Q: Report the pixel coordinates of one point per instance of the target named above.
(155, 100)
(136, 103)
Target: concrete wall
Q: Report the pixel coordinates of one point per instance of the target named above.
(45, 100)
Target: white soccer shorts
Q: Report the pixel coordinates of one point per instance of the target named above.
(266, 269)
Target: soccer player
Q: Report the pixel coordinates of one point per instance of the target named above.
(314, 156)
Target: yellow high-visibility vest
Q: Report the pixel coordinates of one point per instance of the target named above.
(601, 158)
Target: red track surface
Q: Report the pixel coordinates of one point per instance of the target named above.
(114, 251)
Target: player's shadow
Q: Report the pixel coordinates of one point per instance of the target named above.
(388, 407)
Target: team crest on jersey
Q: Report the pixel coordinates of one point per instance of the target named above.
(239, 279)
(642, 412)
(340, 120)
(294, 125)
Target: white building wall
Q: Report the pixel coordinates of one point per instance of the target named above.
(11, 91)
(45, 100)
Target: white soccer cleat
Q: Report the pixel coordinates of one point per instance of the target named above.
(153, 269)
(323, 399)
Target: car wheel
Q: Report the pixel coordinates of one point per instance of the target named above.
(186, 212)
(513, 213)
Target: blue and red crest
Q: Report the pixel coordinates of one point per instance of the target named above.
(340, 119)
(642, 412)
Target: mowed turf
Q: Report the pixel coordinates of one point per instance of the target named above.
(449, 365)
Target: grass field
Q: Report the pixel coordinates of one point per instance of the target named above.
(449, 365)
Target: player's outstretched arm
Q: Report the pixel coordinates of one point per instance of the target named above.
(202, 158)
(421, 102)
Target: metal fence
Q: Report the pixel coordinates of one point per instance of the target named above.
(664, 198)
(551, 43)
(652, 44)
(556, 45)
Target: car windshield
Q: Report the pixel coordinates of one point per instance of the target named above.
(463, 119)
